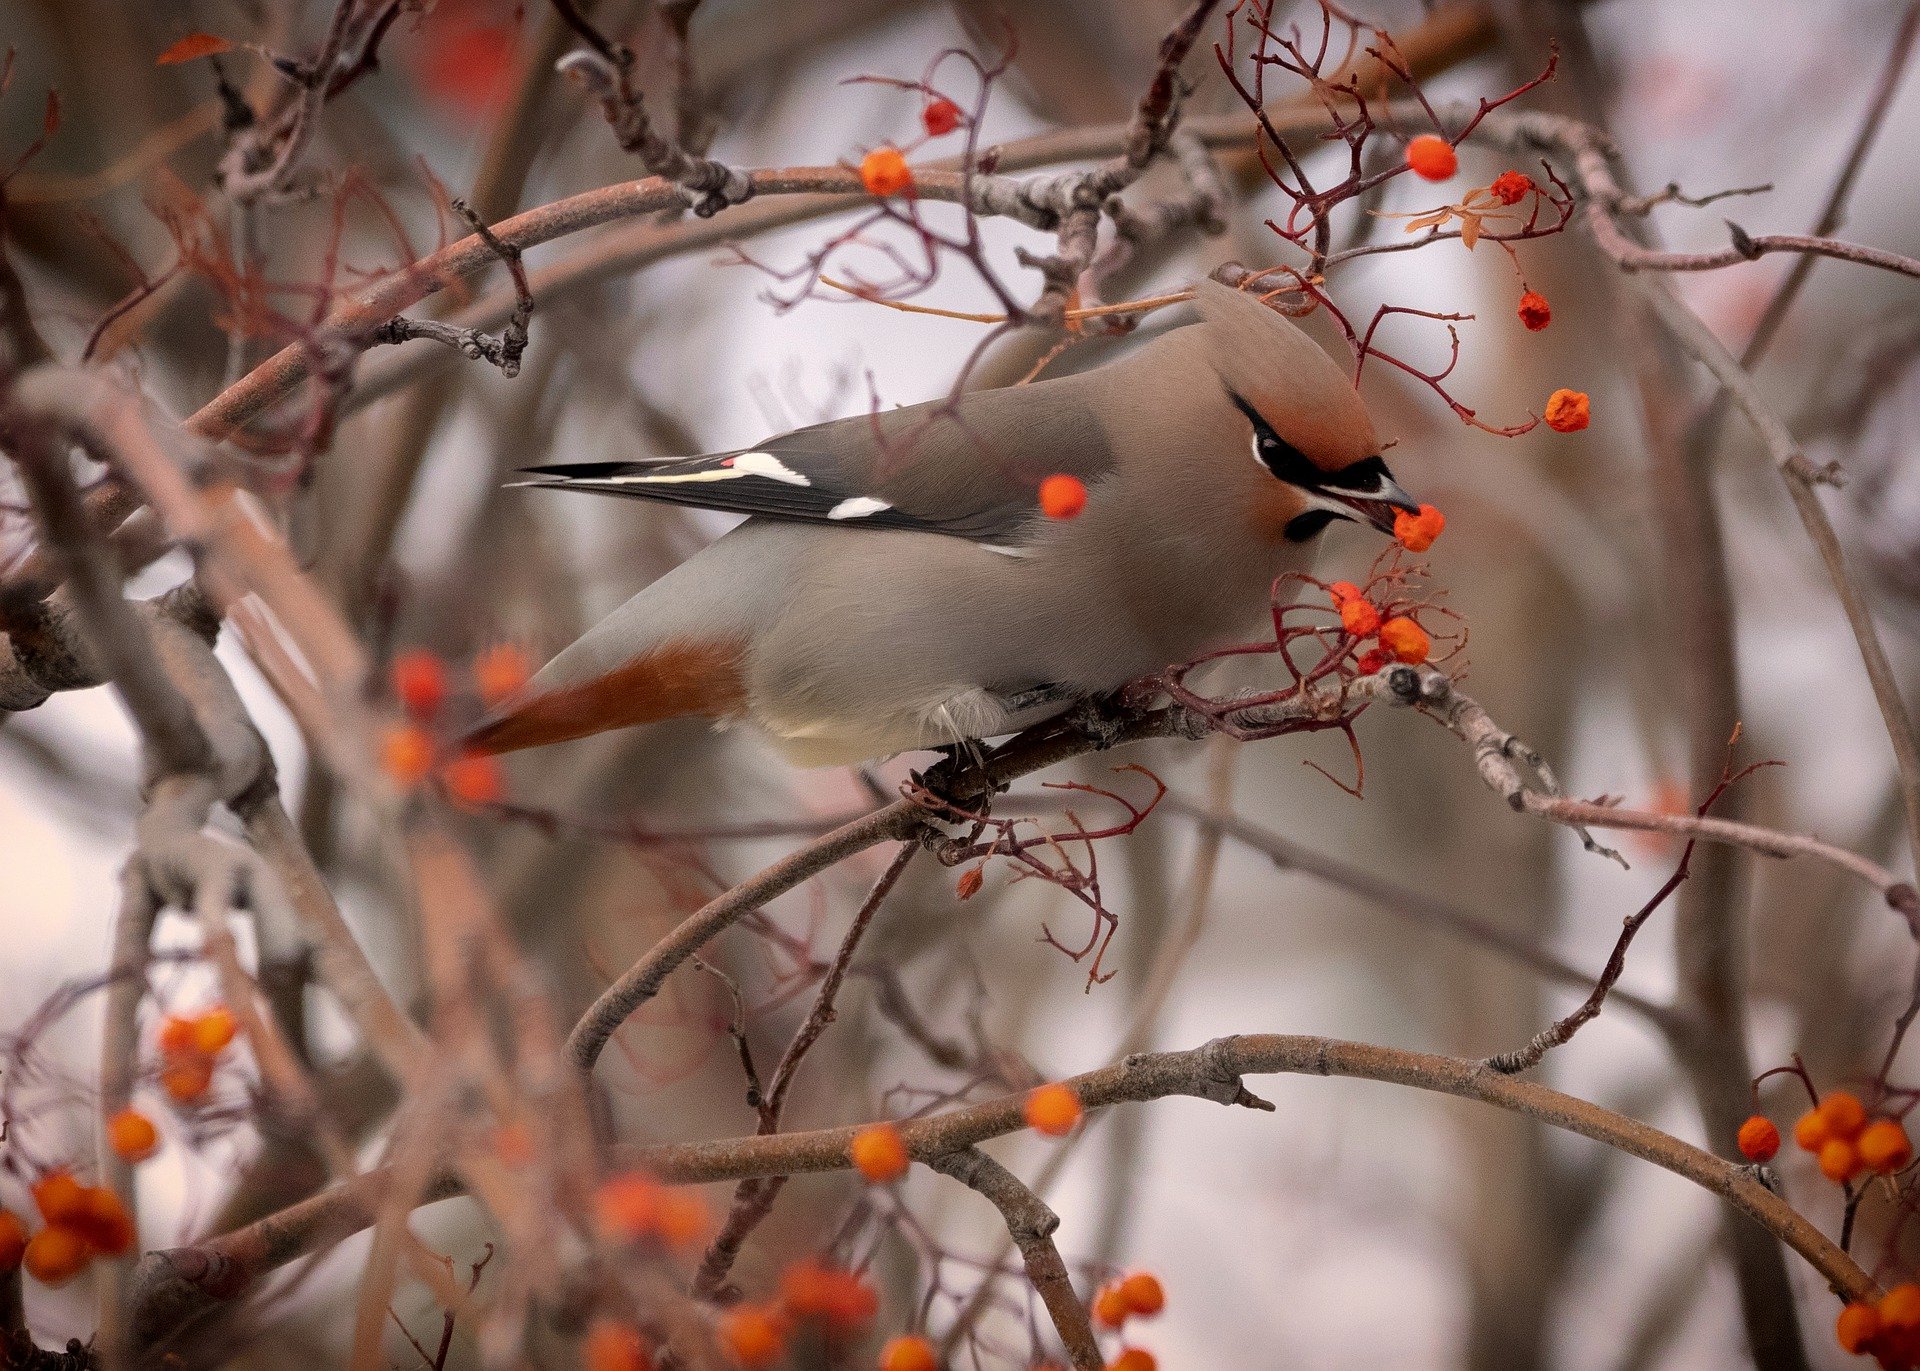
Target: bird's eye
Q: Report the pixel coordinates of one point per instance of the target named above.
(1276, 454)
(1367, 474)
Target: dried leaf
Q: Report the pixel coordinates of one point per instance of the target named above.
(194, 45)
(1469, 230)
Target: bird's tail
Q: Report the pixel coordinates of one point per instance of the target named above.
(676, 679)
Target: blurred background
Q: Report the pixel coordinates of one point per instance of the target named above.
(1360, 1225)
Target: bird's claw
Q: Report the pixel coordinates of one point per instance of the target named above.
(1100, 719)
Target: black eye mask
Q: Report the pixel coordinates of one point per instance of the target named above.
(1276, 454)
(1366, 486)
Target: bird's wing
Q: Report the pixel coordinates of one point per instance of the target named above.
(967, 467)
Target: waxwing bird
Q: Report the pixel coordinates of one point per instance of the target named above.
(897, 585)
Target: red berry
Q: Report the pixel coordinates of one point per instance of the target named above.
(940, 116)
(420, 682)
(880, 1153)
(474, 779)
(1144, 1293)
(884, 172)
(1884, 1146)
(1511, 187)
(1759, 1139)
(1053, 1109)
(911, 1353)
(1432, 158)
(1062, 496)
(1858, 1325)
(13, 1241)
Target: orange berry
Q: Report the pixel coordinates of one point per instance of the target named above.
(1568, 411)
(1812, 1132)
(1844, 1113)
(1062, 496)
(1144, 1294)
(513, 1144)
(879, 1153)
(1342, 591)
(213, 1029)
(104, 1222)
(1900, 1306)
(1511, 187)
(1758, 1139)
(1534, 311)
(1053, 1109)
(474, 778)
(627, 1207)
(752, 1335)
(499, 672)
(55, 1255)
(186, 1079)
(13, 1240)
(611, 1346)
(939, 117)
(59, 1197)
(419, 681)
(1884, 1146)
(132, 1135)
(1432, 158)
(176, 1035)
(1858, 1325)
(1110, 1308)
(969, 883)
(909, 1353)
(682, 1217)
(884, 172)
(1359, 618)
(406, 754)
(1406, 640)
(1417, 532)
(1839, 1160)
(1372, 660)
(806, 1289)
(1133, 1359)
(841, 1300)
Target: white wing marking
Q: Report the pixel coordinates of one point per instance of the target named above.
(858, 507)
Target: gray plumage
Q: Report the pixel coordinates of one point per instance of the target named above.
(897, 586)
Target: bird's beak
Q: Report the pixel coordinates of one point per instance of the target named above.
(1375, 499)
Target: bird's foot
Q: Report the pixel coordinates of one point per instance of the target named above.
(1101, 719)
(960, 779)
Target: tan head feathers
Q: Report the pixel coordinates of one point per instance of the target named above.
(1270, 364)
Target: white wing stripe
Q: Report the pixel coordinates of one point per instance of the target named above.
(766, 464)
(762, 464)
(673, 478)
(858, 507)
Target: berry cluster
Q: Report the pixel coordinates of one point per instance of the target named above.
(410, 751)
(1847, 1142)
(636, 1208)
(1139, 1295)
(81, 1222)
(1401, 637)
(884, 171)
(836, 1303)
(1433, 158)
(1887, 1330)
(190, 1048)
